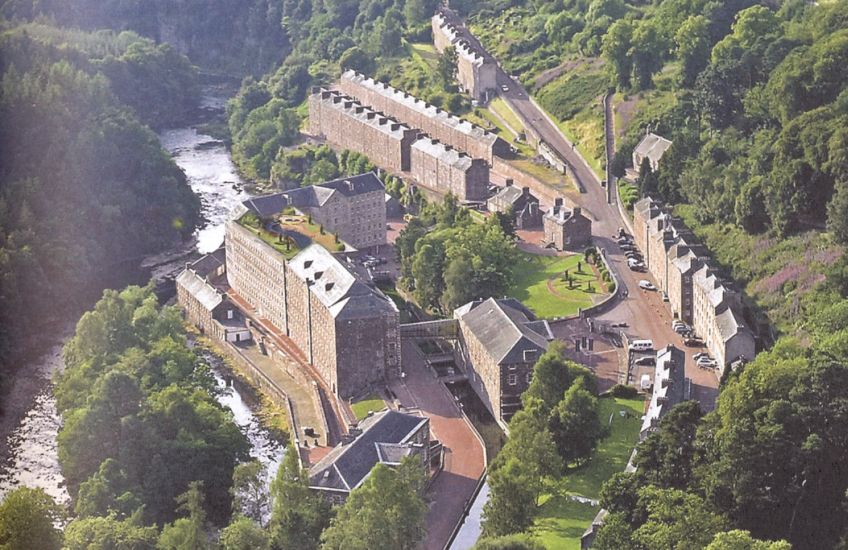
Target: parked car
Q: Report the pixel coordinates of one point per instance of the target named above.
(646, 285)
(665, 296)
(619, 325)
(504, 87)
(691, 341)
(631, 262)
(646, 361)
(706, 360)
(698, 355)
(627, 246)
(632, 254)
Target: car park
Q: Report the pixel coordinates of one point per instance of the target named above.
(647, 361)
(646, 285)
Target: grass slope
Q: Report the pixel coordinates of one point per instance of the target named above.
(369, 403)
(561, 520)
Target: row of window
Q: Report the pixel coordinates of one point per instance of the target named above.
(512, 379)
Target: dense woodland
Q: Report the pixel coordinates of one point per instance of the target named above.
(84, 185)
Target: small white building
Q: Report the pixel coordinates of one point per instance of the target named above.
(652, 147)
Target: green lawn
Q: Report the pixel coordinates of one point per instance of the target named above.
(531, 285)
(499, 106)
(629, 194)
(561, 520)
(369, 403)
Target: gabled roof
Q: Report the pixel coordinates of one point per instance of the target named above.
(335, 286)
(669, 381)
(206, 294)
(449, 156)
(653, 147)
(514, 195)
(209, 263)
(504, 331)
(314, 195)
(382, 438)
(729, 323)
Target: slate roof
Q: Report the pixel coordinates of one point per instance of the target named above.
(653, 147)
(515, 196)
(206, 294)
(504, 331)
(314, 195)
(729, 323)
(336, 287)
(669, 382)
(562, 215)
(420, 106)
(348, 465)
(435, 149)
(209, 263)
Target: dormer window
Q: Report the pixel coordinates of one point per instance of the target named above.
(318, 274)
(307, 264)
(329, 286)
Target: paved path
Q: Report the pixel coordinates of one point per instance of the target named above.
(464, 455)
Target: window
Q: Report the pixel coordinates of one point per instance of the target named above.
(528, 377)
(512, 379)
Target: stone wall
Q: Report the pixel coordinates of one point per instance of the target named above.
(482, 371)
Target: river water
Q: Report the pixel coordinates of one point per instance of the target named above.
(33, 457)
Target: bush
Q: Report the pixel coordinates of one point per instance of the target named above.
(624, 392)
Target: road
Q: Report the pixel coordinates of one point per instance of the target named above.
(643, 311)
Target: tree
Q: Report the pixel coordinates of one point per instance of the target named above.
(428, 272)
(575, 425)
(505, 220)
(616, 534)
(418, 11)
(742, 540)
(693, 48)
(512, 498)
(837, 211)
(666, 457)
(384, 513)
(298, 516)
(187, 533)
(676, 520)
(521, 541)
(617, 44)
(647, 181)
(250, 497)
(458, 282)
(552, 376)
(27, 520)
(647, 51)
(244, 534)
(355, 58)
(110, 532)
(620, 495)
(446, 67)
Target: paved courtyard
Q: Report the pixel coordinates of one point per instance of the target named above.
(464, 456)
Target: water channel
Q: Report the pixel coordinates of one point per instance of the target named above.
(33, 458)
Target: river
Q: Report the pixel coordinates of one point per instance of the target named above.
(32, 457)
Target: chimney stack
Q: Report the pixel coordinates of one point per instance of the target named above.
(509, 182)
(525, 191)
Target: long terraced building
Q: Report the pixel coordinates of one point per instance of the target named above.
(347, 123)
(475, 141)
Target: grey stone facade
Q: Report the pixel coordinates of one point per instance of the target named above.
(347, 330)
(499, 343)
(525, 208)
(354, 207)
(476, 71)
(433, 121)
(566, 229)
(446, 170)
(682, 268)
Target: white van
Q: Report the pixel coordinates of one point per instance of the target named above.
(646, 382)
(641, 345)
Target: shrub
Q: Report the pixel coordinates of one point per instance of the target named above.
(624, 392)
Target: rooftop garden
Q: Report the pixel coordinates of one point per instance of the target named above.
(290, 233)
